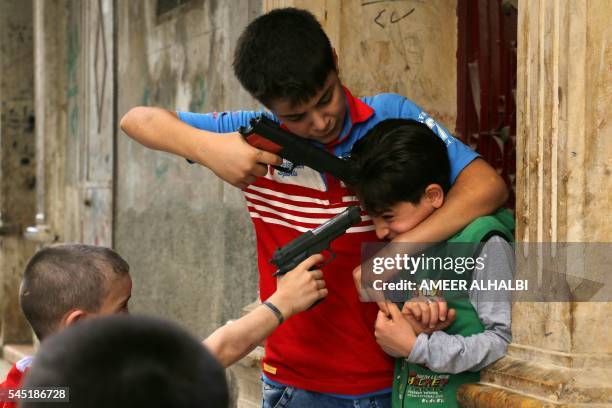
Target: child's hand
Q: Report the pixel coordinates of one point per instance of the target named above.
(232, 159)
(393, 332)
(298, 289)
(428, 314)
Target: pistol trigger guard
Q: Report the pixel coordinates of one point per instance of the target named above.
(328, 261)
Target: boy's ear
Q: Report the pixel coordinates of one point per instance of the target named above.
(73, 316)
(434, 195)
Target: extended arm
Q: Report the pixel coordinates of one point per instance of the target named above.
(235, 340)
(296, 291)
(226, 154)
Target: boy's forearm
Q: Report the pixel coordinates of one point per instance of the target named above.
(160, 129)
(445, 353)
(477, 191)
(237, 339)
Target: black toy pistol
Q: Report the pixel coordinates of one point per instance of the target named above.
(314, 241)
(265, 134)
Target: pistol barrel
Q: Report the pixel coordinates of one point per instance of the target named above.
(314, 241)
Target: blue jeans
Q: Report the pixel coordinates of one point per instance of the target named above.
(291, 397)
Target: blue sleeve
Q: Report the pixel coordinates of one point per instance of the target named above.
(459, 154)
(218, 122)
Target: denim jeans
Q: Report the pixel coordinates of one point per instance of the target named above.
(291, 397)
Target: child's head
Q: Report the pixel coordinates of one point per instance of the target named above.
(285, 60)
(129, 361)
(403, 172)
(63, 284)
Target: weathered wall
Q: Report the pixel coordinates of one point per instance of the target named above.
(186, 234)
(17, 161)
(58, 135)
(407, 47)
(50, 18)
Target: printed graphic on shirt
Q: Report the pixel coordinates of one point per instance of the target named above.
(433, 125)
(427, 388)
(300, 176)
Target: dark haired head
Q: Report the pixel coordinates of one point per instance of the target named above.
(64, 277)
(128, 361)
(284, 54)
(395, 161)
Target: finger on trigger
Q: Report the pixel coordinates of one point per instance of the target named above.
(311, 261)
(317, 274)
(268, 158)
(260, 170)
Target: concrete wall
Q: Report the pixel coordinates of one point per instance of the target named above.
(186, 234)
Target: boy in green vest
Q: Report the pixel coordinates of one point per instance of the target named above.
(403, 174)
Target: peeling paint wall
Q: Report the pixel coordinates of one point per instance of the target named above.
(186, 234)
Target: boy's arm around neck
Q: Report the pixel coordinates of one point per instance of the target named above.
(226, 154)
(296, 291)
(478, 191)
